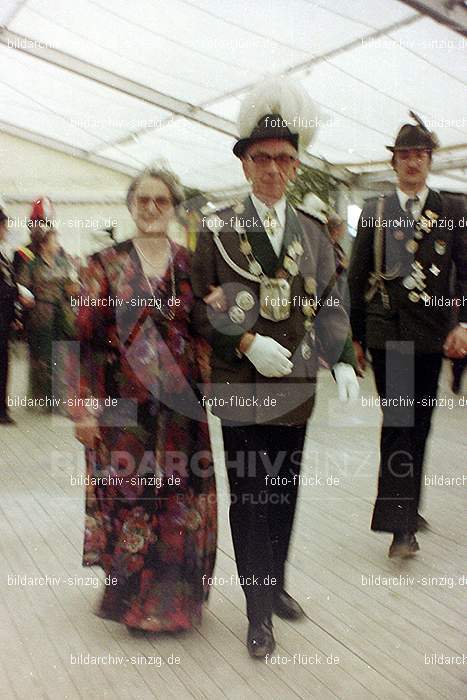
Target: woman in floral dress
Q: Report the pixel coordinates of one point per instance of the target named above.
(151, 501)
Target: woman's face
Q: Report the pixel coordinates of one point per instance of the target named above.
(151, 206)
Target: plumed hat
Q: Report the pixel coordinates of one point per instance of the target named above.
(42, 209)
(276, 109)
(416, 136)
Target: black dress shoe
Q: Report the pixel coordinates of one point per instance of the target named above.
(286, 607)
(422, 524)
(136, 631)
(403, 545)
(260, 640)
(7, 420)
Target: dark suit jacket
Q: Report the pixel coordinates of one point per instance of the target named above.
(8, 298)
(236, 383)
(425, 324)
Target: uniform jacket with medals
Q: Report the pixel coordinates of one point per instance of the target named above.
(419, 259)
(239, 392)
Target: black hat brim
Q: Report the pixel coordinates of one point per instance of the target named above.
(409, 148)
(241, 146)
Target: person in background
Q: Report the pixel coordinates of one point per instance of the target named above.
(408, 244)
(51, 278)
(9, 316)
(42, 214)
(336, 230)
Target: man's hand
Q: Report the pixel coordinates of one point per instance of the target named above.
(455, 345)
(269, 357)
(216, 298)
(360, 356)
(26, 302)
(347, 382)
(87, 431)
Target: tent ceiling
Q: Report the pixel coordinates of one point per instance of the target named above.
(171, 77)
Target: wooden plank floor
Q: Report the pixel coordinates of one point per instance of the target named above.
(362, 638)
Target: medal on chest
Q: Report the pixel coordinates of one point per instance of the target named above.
(416, 281)
(274, 292)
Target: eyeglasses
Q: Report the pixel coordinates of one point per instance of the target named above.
(283, 160)
(160, 202)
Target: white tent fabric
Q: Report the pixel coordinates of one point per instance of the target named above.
(365, 64)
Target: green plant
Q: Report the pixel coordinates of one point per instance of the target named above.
(311, 180)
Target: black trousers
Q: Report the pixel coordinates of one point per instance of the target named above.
(458, 367)
(4, 361)
(263, 464)
(410, 380)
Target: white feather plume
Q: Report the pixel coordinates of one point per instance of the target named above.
(312, 204)
(280, 96)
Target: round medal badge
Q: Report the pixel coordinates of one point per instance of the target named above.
(236, 314)
(245, 300)
(409, 282)
(411, 246)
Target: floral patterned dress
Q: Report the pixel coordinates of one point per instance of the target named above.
(151, 514)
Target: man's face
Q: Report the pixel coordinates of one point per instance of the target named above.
(269, 177)
(151, 206)
(412, 166)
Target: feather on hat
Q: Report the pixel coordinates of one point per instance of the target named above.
(277, 108)
(415, 136)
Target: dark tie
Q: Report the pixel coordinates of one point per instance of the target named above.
(411, 202)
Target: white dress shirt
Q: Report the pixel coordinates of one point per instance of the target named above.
(276, 236)
(417, 208)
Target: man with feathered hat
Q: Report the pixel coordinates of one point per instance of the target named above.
(407, 247)
(276, 269)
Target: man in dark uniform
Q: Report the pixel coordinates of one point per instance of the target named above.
(276, 269)
(8, 316)
(401, 309)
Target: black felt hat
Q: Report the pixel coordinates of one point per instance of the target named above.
(415, 136)
(270, 126)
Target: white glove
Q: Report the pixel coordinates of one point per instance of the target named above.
(269, 357)
(347, 382)
(25, 292)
